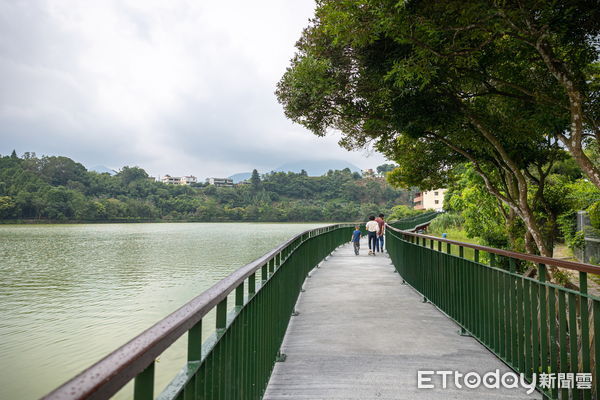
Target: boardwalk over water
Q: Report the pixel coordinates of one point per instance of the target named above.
(362, 334)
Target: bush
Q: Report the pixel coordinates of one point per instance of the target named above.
(594, 213)
(567, 225)
(446, 221)
(401, 211)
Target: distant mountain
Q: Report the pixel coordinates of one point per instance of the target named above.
(242, 176)
(316, 167)
(101, 169)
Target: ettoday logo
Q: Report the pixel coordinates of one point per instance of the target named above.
(509, 380)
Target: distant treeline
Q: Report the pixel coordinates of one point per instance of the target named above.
(59, 189)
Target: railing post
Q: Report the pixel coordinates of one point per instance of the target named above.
(239, 295)
(585, 329)
(143, 387)
(221, 321)
(583, 283)
(251, 285)
(271, 266)
(194, 352)
(264, 274)
(542, 272)
(543, 318)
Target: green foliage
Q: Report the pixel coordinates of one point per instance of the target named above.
(129, 175)
(567, 225)
(385, 168)
(561, 277)
(433, 85)
(402, 211)
(57, 188)
(578, 241)
(594, 213)
(255, 181)
(7, 207)
(446, 221)
(583, 194)
(481, 212)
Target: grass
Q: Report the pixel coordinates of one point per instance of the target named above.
(460, 236)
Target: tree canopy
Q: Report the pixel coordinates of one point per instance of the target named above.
(58, 188)
(432, 85)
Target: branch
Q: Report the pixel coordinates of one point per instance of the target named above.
(503, 178)
(480, 172)
(542, 98)
(457, 53)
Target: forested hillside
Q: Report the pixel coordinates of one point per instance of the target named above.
(59, 189)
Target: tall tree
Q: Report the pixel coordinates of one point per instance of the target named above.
(536, 52)
(385, 168)
(255, 181)
(132, 174)
(439, 83)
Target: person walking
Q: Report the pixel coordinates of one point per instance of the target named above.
(356, 239)
(372, 231)
(380, 221)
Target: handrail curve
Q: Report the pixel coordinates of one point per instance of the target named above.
(107, 376)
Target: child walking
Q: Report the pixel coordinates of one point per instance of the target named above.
(356, 239)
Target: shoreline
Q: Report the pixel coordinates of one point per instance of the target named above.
(150, 221)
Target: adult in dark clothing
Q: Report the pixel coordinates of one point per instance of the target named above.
(372, 231)
(381, 233)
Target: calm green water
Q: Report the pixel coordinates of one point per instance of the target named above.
(70, 294)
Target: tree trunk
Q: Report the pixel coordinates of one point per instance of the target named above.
(529, 243)
(586, 165)
(573, 142)
(536, 233)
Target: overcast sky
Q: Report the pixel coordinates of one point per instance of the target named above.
(176, 87)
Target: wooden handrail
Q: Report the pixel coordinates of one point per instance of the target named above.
(575, 266)
(107, 376)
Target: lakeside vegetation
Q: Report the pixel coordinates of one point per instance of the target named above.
(474, 215)
(55, 188)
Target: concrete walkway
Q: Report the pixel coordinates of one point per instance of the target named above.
(361, 334)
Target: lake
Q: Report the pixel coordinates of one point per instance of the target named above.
(70, 294)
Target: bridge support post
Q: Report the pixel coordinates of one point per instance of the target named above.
(281, 357)
(463, 332)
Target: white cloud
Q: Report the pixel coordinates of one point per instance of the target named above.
(175, 87)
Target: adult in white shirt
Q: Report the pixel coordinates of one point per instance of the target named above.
(372, 232)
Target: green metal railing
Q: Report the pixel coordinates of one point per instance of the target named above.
(415, 222)
(533, 325)
(237, 360)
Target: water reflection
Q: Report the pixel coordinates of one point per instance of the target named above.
(69, 294)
